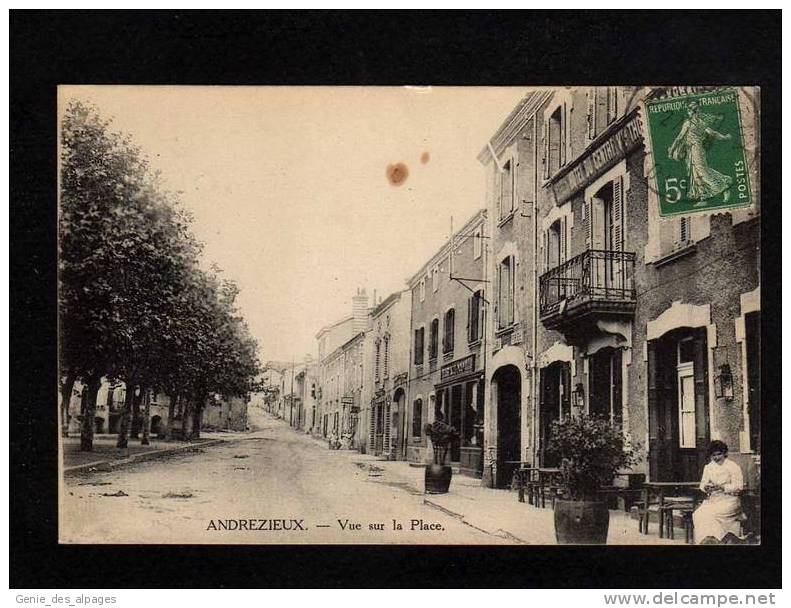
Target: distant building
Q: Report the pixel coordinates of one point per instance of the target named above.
(218, 413)
(331, 375)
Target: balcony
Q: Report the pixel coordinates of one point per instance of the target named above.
(594, 283)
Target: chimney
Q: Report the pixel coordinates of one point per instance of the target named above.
(359, 311)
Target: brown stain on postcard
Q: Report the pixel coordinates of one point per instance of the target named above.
(397, 174)
(425, 157)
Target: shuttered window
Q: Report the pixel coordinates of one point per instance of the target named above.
(507, 188)
(387, 357)
(386, 430)
(475, 317)
(450, 331)
(433, 339)
(602, 109)
(378, 348)
(617, 214)
(505, 299)
(419, 346)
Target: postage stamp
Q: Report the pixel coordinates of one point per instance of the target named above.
(698, 148)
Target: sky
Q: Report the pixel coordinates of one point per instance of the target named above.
(289, 186)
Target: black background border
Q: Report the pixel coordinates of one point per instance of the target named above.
(354, 48)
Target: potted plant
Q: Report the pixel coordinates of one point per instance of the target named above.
(438, 474)
(591, 452)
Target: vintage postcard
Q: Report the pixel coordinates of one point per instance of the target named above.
(409, 315)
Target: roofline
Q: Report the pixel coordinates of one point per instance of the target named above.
(514, 122)
(331, 325)
(478, 216)
(339, 349)
(388, 302)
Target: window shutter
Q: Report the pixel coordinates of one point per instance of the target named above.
(512, 279)
(469, 318)
(451, 329)
(563, 134)
(386, 429)
(498, 190)
(701, 376)
(654, 389)
(372, 429)
(499, 295)
(545, 139)
(563, 253)
(589, 223)
(612, 104)
(479, 315)
(513, 184)
(544, 251)
(684, 230)
(617, 214)
(591, 113)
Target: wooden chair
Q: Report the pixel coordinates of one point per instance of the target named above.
(685, 505)
(648, 504)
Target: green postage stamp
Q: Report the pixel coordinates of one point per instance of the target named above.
(698, 147)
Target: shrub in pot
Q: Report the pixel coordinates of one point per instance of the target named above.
(438, 474)
(591, 452)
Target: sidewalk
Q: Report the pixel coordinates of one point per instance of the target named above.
(498, 512)
(105, 456)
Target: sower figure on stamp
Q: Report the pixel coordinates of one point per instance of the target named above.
(703, 182)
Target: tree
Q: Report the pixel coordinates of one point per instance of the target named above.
(134, 303)
(95, 171)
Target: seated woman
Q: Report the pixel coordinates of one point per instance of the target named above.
(722, 482)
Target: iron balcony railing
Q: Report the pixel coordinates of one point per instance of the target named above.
(594, 275)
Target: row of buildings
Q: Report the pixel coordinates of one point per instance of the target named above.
(566, 293)
(219, 413)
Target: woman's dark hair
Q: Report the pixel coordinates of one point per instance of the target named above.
(718, 446)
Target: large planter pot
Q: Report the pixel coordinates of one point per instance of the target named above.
(438, 478)
(581, 522)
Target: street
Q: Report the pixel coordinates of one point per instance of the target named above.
(271, 486)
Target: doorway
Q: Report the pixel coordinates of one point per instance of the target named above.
(678, 405)
(555, 405)
(507, 384)
(156, 425)
(605, 382)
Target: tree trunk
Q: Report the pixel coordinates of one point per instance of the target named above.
(197, 419)
(65, 399)
(123, 421)
(186, 415)
(171, 413)
(146, 418)
(197, 414)
(89, 412)
(136, 421)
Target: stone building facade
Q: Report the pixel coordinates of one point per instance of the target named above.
(652, 322)
(331, 339)
(449, 299)
(387, 375)
(218, 414)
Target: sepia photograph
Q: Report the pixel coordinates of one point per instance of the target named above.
(409, 315)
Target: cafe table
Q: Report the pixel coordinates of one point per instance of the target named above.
(548, 477)
(521, 479)
(663, 491)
